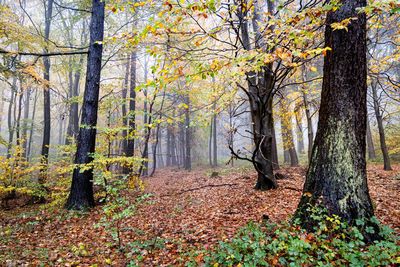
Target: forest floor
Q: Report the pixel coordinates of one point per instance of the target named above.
(188, 211)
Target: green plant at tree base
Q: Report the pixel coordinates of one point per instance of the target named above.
(332, 243)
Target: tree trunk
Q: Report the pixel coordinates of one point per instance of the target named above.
(124, 112)
(130, 144)
(370, 142)
(287, 137)
(146, 121)
(337, 178)
(215, 145)
(2, 100)
(32, 129)
(73, 124)
(25, 122)
(10, 123)
(46, 96)
(260, 93)
(210, 143)
(275, 160)
(188, 136)
(299, 131)
(81, 194)
(310, 132)
(378, 113)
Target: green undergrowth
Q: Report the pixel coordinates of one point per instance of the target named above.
(333, 243)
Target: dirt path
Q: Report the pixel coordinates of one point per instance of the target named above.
(188, 211)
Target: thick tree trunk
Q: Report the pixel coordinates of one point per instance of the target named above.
(378, 113)
(370, 142)
(260, 93)
(337, 178)
(46, 96)
(81, 194)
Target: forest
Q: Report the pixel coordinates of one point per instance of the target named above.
(199, 133)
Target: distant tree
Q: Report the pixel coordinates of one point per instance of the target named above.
(337, 177)
(46, 92)
(81, 193)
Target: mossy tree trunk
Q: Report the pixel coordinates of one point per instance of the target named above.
(337, 177)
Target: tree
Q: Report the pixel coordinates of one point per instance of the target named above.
(337, 177)
(379, 119)
(81, 193)
(46, 92)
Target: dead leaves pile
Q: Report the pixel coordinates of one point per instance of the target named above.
(188, 211)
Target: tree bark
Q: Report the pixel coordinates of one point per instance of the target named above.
(81, 193)
(336, 177)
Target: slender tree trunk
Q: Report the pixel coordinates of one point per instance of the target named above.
(275, 160)
(124, 112)
(46, 96)
(310, 132)
(18, 118)
(370, 142)
(160, 149)
(337, 178)
(32, 130)
(73, 124)
(169, 157)
(215, 145)
(10, 122)
(146, 121)
(210, 143)
(299, 131)
(1, 108)
(188, 136)
(25, 122)
(130, 144)
(379, 119)
(287, 137)
(81, 194)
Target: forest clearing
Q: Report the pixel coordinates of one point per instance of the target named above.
(234, 133)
